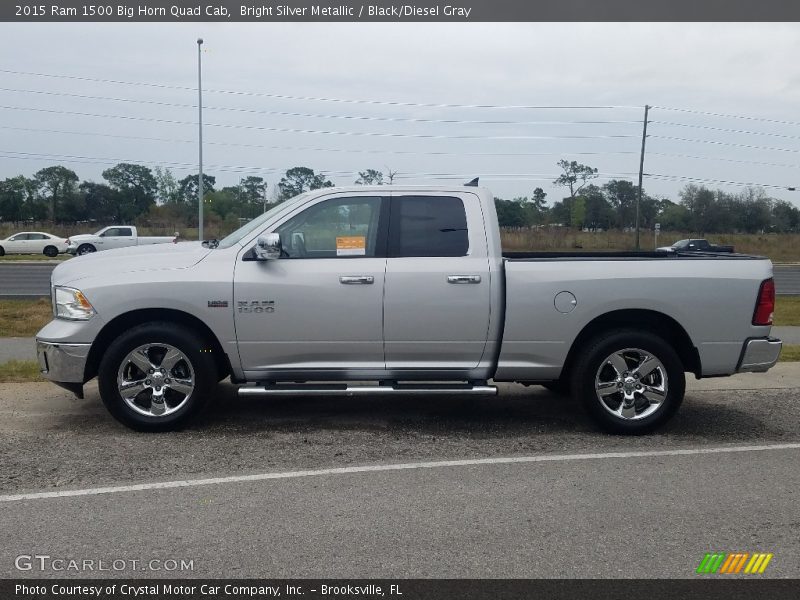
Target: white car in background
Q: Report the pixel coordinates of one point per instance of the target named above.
(33, 242)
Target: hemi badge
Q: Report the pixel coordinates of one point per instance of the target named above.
(217, 304)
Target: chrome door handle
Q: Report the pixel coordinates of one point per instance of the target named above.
(356, 279)
(463, 279)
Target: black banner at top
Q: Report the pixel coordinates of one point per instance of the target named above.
(388, 11)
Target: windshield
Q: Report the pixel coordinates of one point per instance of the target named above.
(244, 230)
(681, 244)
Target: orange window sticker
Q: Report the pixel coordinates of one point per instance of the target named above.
(352, 245)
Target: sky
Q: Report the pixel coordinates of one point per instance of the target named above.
(342, 98)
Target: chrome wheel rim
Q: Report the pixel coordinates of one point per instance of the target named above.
(156, 380)
(631, 384)
(85, 250)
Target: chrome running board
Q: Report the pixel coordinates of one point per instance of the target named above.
(367, 390)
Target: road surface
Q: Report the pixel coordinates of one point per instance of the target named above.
(535, 490)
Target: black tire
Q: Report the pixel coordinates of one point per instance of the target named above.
(50, 251)
(2, 251)
(194, 350)
(86, 249)
(593, 358)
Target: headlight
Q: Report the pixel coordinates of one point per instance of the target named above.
(72, 304)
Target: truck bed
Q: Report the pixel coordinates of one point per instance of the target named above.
(625, 255)
(552, 296)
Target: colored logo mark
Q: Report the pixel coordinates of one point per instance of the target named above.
(736, 562)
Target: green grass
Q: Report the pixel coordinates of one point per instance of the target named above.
(787, 310)
(23, 318)
(18, 257)
(790, 353)
(19, 371)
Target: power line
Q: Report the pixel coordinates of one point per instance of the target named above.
(320, 132)
(718, 181)
(310, 98)
(115, 160)
(308, 148)
(727, 115)
(12, 154)
(723, 159)
(318, 116)
(726, 130)
(490, 177)
(678, 139)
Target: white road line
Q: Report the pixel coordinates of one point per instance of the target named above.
(160, 485)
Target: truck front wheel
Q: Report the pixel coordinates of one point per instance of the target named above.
(157, 377)
(631, 382)
(86, 249)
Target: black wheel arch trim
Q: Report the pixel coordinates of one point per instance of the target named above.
(125, 321)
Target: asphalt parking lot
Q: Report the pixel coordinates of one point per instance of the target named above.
(249, 491)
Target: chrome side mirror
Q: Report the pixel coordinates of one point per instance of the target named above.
(268, 247)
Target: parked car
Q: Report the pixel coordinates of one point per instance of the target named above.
(116, 236)
(696, 245)
(33, 242)
(406, 287)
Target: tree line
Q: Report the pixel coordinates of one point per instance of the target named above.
(135, 193)
(613, 206)
(132, 192)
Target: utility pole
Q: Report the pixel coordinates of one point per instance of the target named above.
(200, 139)
(641, 174)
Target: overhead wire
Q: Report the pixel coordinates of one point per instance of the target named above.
(320, 116)
(313, 98)
(316, 131)
(307, 148)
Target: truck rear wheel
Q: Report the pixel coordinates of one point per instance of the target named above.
(157, 377)
(631, 382)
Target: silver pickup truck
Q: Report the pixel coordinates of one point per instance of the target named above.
(400, 290)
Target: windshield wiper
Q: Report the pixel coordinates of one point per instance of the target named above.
(212, 243)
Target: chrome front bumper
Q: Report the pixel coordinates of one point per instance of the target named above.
(759, 355)
(63, 364)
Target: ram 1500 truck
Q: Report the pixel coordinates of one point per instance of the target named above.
(110, 238)
(400, 290)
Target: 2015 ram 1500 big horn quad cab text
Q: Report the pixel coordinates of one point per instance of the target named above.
(407, 288)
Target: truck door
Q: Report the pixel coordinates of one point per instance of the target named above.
(437, 299)
(117, 237)
(319, 306)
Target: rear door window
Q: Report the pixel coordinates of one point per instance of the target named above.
(428, 226)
